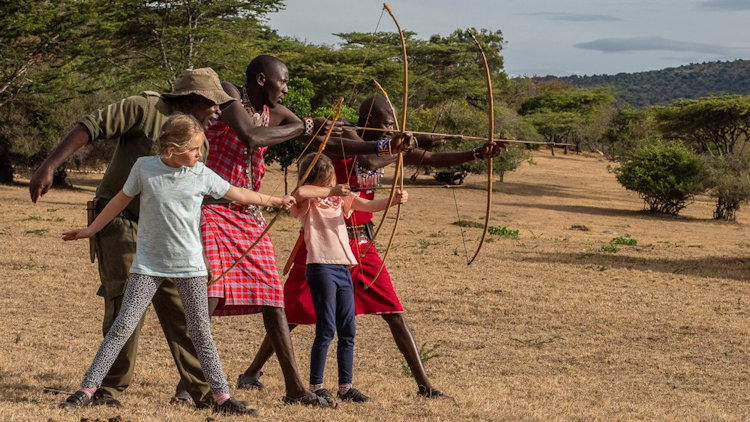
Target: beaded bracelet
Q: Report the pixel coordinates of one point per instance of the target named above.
(309, 126)
(384, 146)
(477, 153)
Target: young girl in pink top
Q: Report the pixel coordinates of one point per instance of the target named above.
(321, 208)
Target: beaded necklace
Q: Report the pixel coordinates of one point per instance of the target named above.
(257, 120)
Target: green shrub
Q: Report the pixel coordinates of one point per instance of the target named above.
(624, 240)
(729, 179)
(503, 232)
(666, 175)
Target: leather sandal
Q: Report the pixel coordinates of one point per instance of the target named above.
(182, 398)
(246, 382)
(322, 392)
(431, 393)
(311, 399)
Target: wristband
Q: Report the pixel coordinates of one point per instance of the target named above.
(309, 126)
(384, 146)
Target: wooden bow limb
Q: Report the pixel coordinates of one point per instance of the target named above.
(295, 249)
(300, 182)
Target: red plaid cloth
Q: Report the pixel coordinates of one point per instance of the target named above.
(255, 281)
(227, 233)
(345, 173)
(225, 150)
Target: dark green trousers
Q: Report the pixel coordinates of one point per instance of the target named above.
(115, 250)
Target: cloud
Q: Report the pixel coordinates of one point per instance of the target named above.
(725, 5)
(620, 45)
(574, 17)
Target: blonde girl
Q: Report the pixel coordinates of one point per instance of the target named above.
(171, 186)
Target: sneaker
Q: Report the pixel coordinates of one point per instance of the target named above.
(76, 400)
(324, 393)
(353, 395)
(234, 407)
(101, 399)
(431, 393)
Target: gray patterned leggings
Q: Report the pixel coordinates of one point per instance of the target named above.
(138, 294)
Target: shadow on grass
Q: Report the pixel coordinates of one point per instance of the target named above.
(737, 268)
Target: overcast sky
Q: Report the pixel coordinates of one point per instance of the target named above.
(546, 37)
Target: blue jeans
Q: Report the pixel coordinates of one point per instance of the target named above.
(332, 293)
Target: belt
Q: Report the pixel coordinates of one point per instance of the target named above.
(362, 233)
(125, 213)
(247, 209)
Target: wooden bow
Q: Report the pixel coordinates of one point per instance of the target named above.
(398, 177)
(491, 130)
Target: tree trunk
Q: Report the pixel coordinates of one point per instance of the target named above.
(6, 169)
(60, 178)
(726, 210)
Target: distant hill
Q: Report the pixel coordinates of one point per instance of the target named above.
(661, 87)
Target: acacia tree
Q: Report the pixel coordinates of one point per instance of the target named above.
(156, 40)
(718, 128)
(572, 116)
(628, 128)
(39, 43)
(87, 52)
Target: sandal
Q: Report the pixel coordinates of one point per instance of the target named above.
(322, 392)
(234, 407)
(311, 399)
(431, 393)
(247, 382)
(181, 398)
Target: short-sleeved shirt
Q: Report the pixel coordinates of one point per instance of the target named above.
(135, 123)
(325, 231)
(169, 243)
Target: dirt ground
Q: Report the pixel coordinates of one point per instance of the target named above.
(557, 324)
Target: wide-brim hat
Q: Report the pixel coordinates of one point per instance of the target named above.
(204, 82)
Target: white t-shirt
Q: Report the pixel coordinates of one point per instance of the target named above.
(169, 243)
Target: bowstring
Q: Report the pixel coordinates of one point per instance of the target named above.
(460, 225)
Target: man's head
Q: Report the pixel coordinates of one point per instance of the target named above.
(198, 92)
(375, 112)
(267, 80)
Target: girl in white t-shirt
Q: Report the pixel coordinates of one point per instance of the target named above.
(321, 208)
(171, 186)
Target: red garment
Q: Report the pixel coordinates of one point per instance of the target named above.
(379, 298)
(227, 232)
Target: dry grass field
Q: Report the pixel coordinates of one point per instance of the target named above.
(553, 325)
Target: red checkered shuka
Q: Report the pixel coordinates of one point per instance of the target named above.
(226, 233)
